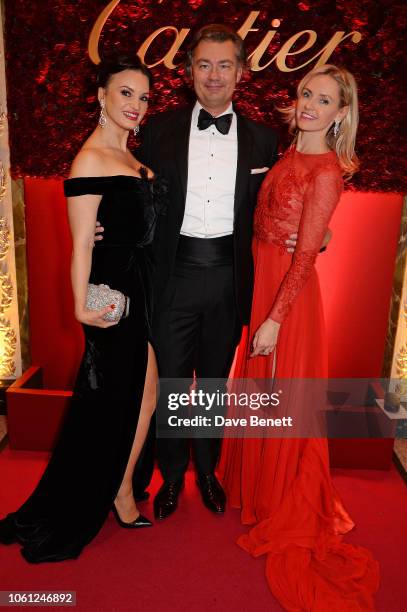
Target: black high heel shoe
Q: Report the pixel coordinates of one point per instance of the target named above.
(140, 521)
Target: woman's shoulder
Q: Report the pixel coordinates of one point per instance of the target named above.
(329, 167)
(319, 164)
(88, 162)
(96, 170)
(86, 174)
(326, 175)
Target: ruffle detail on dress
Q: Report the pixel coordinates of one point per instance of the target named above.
(160, 189)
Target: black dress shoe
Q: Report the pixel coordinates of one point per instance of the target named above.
(166, 500)
(140, 497)
(213, 496)
(140, 521)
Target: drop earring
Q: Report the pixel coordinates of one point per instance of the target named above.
(136, 130)
(336, 128)
(102, 117)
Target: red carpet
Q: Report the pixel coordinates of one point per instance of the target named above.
(190, 562)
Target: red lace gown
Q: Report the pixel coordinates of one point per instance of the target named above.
(283, 485)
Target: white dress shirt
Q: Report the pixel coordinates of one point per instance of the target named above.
(212, 164)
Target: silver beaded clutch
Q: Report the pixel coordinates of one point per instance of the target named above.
(100, 296)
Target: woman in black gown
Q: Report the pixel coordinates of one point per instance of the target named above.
(90, 471)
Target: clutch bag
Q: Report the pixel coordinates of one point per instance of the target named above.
(100, 296)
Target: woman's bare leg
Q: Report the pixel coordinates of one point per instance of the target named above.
(124, 502)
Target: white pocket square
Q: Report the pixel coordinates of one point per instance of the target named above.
(259, 170)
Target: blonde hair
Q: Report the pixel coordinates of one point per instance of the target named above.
(344, 142)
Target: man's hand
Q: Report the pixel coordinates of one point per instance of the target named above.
(291, 243)
(98, 231)
(265, 339)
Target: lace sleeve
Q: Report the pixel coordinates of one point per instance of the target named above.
(320, 200)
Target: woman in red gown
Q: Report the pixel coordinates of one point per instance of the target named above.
(283, 486)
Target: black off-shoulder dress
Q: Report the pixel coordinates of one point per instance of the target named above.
(77, 490)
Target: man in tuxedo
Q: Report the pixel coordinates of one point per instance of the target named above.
(214, 160)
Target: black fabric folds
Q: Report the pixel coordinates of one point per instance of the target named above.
(72, 500)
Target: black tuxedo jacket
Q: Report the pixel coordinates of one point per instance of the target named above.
(165, 144)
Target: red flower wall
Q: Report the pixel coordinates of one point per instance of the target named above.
(51, 85)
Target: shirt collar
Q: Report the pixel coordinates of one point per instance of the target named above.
(197, 108)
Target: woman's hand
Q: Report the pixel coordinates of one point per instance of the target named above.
(265, 339)
(95, 317)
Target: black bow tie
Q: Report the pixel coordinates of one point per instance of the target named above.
(222, 123)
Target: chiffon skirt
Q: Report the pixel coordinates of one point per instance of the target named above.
(283, 486)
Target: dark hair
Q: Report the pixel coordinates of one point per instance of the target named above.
(110, 66)
(216, 32)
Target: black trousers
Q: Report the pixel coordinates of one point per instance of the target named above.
(198, 334)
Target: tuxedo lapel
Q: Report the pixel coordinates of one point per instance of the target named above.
(181, 148)
(244, 146)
